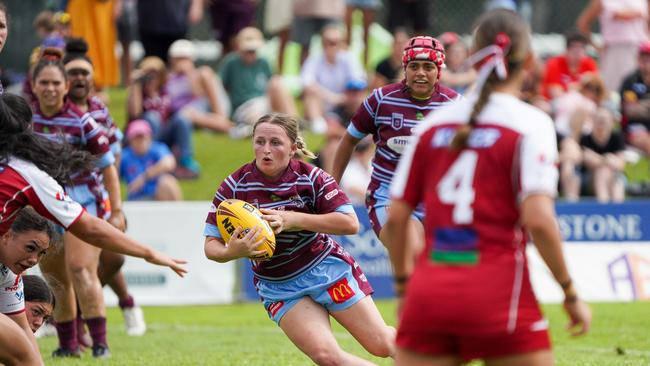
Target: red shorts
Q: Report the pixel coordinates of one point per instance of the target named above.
(469, 347)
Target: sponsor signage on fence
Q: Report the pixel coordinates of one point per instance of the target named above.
(175, 228)
(607, 247)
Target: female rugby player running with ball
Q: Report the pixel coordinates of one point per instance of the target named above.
(310, 276)
(485, 170)
(389, 114)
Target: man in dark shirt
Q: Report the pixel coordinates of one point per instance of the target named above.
(635, 102)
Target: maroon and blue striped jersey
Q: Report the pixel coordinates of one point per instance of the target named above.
(389, 114)
(302, 188)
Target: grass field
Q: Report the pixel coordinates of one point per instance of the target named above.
(241, 334)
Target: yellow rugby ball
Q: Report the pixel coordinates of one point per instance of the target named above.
(232, 213)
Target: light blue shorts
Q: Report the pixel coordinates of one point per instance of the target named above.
(377, 204)
(94, 203)
(333, 283)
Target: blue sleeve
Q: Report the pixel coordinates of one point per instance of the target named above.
(211, 230)
(346, 208)
(160, 150)
(355, 133)
(105, 160)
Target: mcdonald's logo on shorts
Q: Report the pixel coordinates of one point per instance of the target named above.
(275, 307)
(341, 291)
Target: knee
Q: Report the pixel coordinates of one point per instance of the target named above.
(111, 260)
(326, 357)
(310, 90)
(275, 84)
(383, 345)
(80, 273)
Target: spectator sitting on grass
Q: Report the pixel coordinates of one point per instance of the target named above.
(635, 102)
(148, 100)
(253, 89)
(563, 72)
(390, 70)
(603, 158)
(147, 166)
(193, 90)
(324, 77)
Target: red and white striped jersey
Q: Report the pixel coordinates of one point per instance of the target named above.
(22, 183)
(475, 244)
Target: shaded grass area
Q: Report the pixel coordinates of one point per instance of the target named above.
(242, 334)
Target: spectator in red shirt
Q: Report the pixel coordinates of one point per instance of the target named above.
(562, 71)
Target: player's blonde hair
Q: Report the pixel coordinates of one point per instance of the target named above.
(490, 30)
(290, 125)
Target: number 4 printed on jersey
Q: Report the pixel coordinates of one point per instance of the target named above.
(456, 187)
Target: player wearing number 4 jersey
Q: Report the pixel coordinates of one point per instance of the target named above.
(389, 114)
(485, 170)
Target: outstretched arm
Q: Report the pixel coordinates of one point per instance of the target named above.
(101, 234)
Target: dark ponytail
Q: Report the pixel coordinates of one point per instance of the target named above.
(17, 139)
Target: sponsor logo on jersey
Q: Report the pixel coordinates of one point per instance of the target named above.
(60, 196)
(297, 200)
(331, 194)
(103, 140)
(397, 121)
(341, 291)
(4, 270)
(11, 288)
(275, 307)
(20, 295)
(398, 143)
(483, 137)
(419, 115)
(275, 198)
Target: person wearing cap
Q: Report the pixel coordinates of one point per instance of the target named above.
(456, 75)
(389, 114)
(635, 102)
(148, 100)
(147, 166)
(253, 89)
(193, 90)
(563, 71)
(324, 76)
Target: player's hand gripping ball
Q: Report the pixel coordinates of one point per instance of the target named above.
(232, 213)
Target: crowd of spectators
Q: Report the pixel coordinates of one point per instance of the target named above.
(597, 93)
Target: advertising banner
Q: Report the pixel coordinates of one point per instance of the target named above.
(607, 247)
(175, 228)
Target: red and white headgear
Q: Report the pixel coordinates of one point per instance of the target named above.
(424, 48)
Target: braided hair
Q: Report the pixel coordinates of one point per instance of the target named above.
(504, 35)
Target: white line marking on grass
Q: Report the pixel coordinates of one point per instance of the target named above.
(607, 350)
